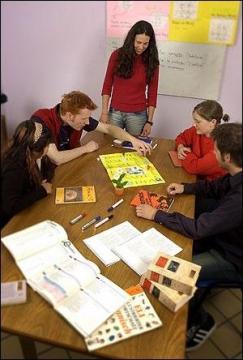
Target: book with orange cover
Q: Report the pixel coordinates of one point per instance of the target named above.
(75, 194)
(174, 158)
(155, 200)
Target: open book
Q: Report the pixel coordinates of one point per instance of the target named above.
(58, 272)
(103, 243)
(127, 243)
(75, 194)
(139, 251)
(134, 318)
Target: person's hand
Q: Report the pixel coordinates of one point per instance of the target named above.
(104, 118)
(141, 147)
(182, 151)
(90, 146)
(146, 211)
(175, 188)
(47, 186)
(146, 130)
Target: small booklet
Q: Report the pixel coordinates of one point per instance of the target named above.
(135, 317)
(174, 158)
(75, 194)
(155, 200)
(128, 144)
(55, 269)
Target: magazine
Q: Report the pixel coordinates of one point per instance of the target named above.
(155, 200)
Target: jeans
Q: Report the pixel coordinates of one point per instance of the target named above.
(132, 122)
(214, 267)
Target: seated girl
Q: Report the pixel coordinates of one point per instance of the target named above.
(22, 180)
(194, 145)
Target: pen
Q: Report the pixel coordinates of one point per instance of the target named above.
(115, 205)
(155, 146)
(91, 222)
(103, 221)
(77, 218)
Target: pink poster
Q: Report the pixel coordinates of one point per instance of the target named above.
(121, 15)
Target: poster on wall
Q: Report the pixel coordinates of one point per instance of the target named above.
(186, 69)
(212, 22)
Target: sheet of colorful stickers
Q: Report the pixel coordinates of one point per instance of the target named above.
(135, 317)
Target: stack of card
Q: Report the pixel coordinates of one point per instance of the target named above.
(171, 279)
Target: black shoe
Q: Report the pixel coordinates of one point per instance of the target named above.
(199, 333)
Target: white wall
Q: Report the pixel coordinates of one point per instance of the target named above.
(53, 47)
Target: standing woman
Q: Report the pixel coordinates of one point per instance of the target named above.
(22, 181)
(132, 77)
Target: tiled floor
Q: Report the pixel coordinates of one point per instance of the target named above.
(225, 342)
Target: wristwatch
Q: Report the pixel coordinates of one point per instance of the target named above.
(149, 122)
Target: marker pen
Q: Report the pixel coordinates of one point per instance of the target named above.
(91, 222)
(77, 218)
(115, 205)
(103, 221)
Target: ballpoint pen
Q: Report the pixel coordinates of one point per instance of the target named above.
(115, 205)
(103, 221)
(91, 222)
(77, 218)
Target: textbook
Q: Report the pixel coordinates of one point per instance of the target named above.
(136, 317)
(55, 269)
(75, 194)
(155, 200)
(128, 144)
(174, 272)
(174, 158)
(172, 299)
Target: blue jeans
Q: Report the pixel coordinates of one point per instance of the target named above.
(214, 267)
(132, 122)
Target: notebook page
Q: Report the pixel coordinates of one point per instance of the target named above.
(139, 252)
(103, 244)
(34, 239)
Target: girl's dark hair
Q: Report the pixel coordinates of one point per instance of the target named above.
(211, 109)
(126, 54)
(228, 138)
(28, 143)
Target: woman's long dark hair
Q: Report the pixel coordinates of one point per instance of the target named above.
(127, 52)
(27, 145)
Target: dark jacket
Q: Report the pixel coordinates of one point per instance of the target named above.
(17, 191)
(223, 225)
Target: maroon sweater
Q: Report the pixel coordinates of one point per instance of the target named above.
(52, 120)
(128, 95)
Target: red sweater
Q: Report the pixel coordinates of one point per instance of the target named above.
(128, 95)
(52, 120)
(201, 160)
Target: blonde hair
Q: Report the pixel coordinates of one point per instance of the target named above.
(74, 101)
